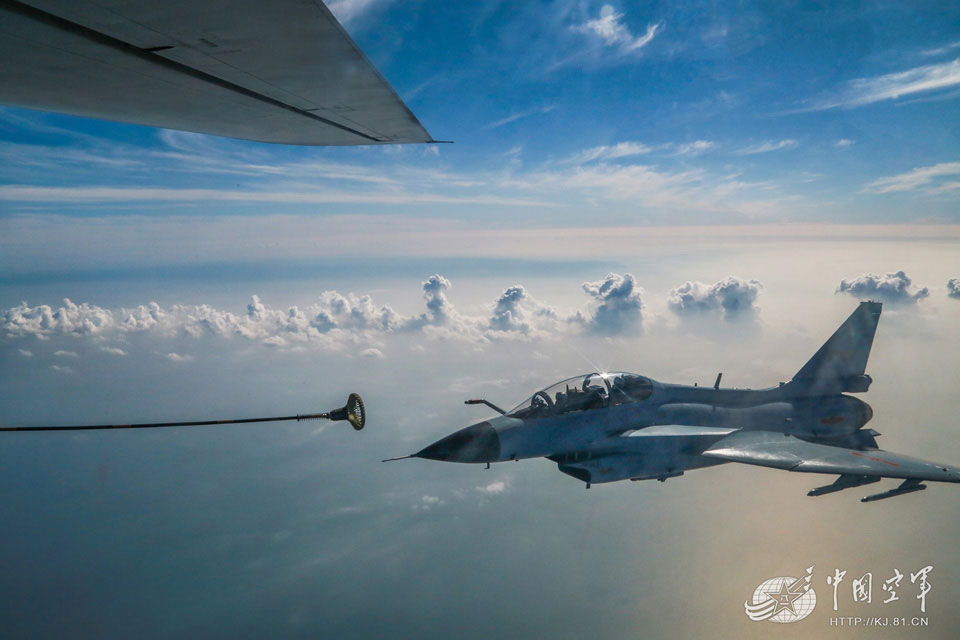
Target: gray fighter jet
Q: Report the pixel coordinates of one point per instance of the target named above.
(604, 427)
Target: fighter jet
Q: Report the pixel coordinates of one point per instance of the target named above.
(605, 427)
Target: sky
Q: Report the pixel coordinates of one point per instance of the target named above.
(674, 189)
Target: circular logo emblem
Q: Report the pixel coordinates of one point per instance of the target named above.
(782, 599)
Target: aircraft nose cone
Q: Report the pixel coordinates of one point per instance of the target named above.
(477, 443)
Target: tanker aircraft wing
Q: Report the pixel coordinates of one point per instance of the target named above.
(283, 71)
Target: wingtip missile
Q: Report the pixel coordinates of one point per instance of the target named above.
(843, 482)
(907, 486)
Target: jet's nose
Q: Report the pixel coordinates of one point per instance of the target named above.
(477, 443)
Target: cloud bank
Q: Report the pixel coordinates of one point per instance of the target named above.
(336, 321)
(895, 288)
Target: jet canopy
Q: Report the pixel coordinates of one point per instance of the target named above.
(584, 393)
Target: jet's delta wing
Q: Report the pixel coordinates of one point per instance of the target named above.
(783, 451)
(282, 71)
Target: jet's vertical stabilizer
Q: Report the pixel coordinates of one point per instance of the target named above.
(839, 364)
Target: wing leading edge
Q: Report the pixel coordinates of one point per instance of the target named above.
(781, 451)
(283, 71)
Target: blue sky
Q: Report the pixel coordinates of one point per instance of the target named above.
(674, 189)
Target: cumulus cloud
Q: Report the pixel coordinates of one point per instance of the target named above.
(609, 27)
(338, 311)
(618, 305)
(116, 351)
(143, 317)
(732, 296)
(178, 357)
(895, 288)
(372, 353)
(61, 368)
(516, 311)
(953, 288)
(65, 354)
(435, 294)
(843, 142)
(25, 353)
(42, 320)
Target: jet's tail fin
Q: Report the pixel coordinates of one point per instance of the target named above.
(838, 365)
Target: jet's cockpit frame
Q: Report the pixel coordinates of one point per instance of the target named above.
(586, 392)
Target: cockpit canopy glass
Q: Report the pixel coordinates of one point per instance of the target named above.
(584, 393)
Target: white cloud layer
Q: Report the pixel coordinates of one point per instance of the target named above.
(732, 296)
(895, 288)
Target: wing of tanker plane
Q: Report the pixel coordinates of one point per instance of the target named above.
(283, 71)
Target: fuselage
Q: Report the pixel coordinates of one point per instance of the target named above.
(636, 424)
